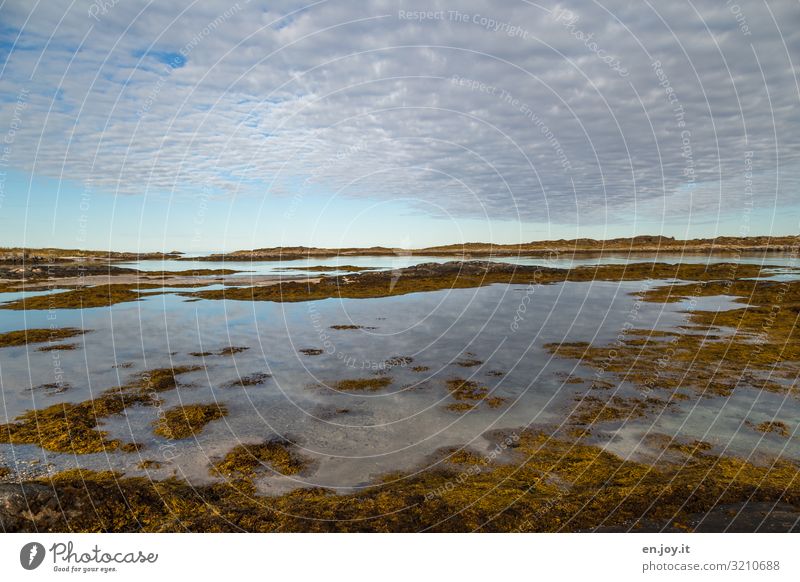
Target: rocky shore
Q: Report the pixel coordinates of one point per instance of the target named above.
(583, 246)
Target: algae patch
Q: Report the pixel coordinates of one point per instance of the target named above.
(227, 351)
(363, 384)
(183, 422)
(254, 379)
(468, 394)
(83, 297)
(245, 461)
(542, 484)
(74, 428)
(427, 277)
(773, 426)
(757, 346)
(38, 336)
(51, 388)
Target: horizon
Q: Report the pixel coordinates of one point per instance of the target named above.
(208, 252)
(225, 127)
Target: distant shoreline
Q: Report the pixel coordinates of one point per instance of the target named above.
(640, 244)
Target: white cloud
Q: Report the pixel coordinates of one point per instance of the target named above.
(351, 97)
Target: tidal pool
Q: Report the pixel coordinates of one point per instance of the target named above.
(400, 261)
(492, 335)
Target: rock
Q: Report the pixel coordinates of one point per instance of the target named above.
(29, 507)
(16, 502)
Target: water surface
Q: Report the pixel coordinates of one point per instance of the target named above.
(355, 437)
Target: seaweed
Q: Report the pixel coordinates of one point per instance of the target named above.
(460, 407)
(551, 485)
(74, 428)
(757, 346)
(398, 361)
(495, 401)
(83, 297)
(462, 389)
(362, 384)
(244, 461)
(254, 379)
(231, 350)
(773, 426)
(52, 388)
(182, 422)
(324, 268)
(227, 351)
(161, 379)
(58, 348)
(38, 336)
(428, 277)
(469, 394)
(468, 363)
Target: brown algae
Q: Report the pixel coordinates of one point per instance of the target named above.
(73, 428)
(468, 394)
(83, 297)
(468, 274)
(544, 485)
(773, 426)
(254, 379)
(244, 461)
(182, 422)
(363, 384)
(38, 336)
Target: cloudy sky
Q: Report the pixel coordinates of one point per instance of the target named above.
(222, 125)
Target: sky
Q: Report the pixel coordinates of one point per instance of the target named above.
(215, 126)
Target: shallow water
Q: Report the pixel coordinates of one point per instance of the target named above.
(355, 437)
(401, 261)
(17, 295)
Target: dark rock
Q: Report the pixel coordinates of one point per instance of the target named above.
(28, 507)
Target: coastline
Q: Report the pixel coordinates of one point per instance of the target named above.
(548, 479)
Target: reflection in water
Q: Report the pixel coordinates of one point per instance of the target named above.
(492, 335)
(400, 261)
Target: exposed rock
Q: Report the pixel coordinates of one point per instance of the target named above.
(29, 507)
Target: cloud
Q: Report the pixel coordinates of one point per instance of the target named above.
(569, 112)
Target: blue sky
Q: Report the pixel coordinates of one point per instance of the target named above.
(219, 126)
